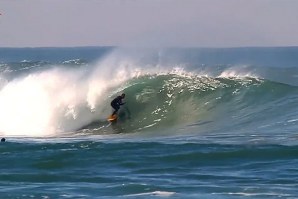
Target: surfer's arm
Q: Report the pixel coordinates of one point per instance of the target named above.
(121, 103)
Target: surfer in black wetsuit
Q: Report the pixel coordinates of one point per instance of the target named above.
(117, 102)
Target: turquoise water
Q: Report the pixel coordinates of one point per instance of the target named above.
(196, 124)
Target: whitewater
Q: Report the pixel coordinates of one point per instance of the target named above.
(197, 123)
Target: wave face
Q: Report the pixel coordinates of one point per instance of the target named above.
(165, 94)
(182, 101)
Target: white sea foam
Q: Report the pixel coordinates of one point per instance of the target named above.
(154, 193)
(58, 100)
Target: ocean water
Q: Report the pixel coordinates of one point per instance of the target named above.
(197, 123)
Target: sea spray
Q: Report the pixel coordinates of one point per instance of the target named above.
(59, 99)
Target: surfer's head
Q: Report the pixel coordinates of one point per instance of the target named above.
(123, 95)
(3, 140)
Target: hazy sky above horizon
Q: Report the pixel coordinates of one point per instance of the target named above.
(161, 23)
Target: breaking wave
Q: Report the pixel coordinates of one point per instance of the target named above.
(44, 99)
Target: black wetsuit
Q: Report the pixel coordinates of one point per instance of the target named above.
(116, 103)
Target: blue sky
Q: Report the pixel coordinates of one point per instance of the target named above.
(161, 23)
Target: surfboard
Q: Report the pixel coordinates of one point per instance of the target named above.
(112, 118)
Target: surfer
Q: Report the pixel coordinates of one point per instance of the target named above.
(117, 102)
